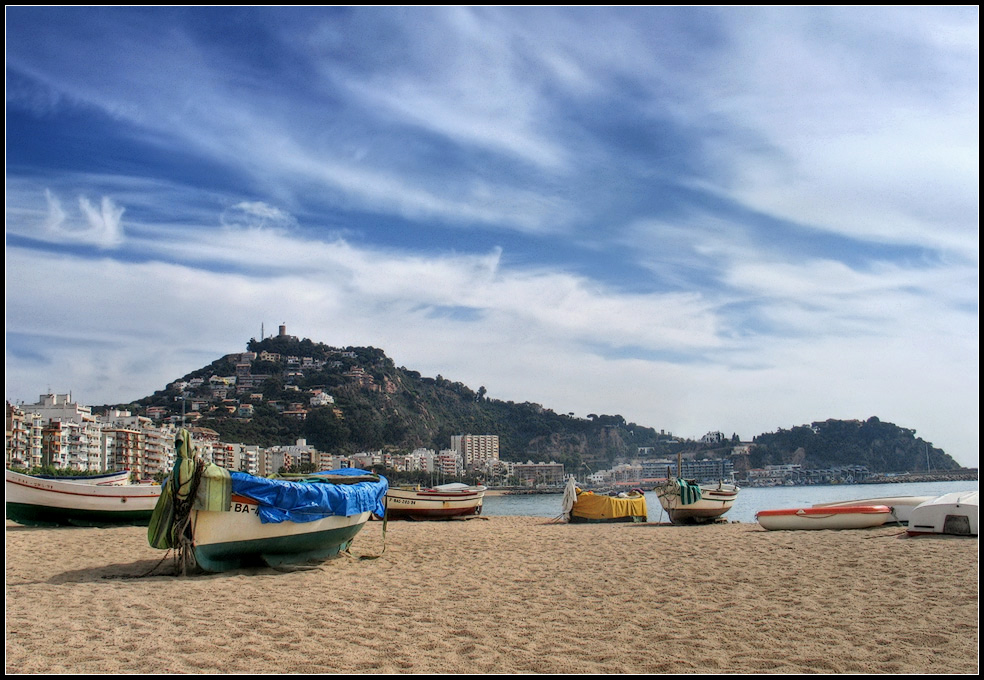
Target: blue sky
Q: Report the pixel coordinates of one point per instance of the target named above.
(732, 219)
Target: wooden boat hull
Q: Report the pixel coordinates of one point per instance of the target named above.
(236, 539)
(901, 506)
(433, 503)
(954, 514)
(35, 501)
(120, 478)
(840, 517)
(715, 501)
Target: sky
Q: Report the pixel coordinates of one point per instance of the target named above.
(699, 218)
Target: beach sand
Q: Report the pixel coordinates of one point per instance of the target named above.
(504, 595)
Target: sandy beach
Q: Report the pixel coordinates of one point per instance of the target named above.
(504, 595)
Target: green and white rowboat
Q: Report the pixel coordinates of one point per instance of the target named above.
(36, 501)
(237, 538)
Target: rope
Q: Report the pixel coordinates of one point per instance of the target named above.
(184, 550)
(149, 572)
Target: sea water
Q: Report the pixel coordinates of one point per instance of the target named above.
(750, 500)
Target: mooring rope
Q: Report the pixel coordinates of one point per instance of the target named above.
(182, 539)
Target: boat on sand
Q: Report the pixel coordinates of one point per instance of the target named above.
(952, 513)
(440, 502)
(38, 501)
(222, 520)
(838, 517)
(587, 507)
(901, 506)
(687, 502)
(119, 478)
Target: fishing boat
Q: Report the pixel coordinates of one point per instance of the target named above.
(687, 502)
(837, 517)
(587, 507)
(901, 506)
(952, 513)
(37, 501)
(120, 478)
(221, 520)
(440, 502)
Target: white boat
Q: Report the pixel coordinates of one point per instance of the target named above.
(120, 478)
(953, 513)
(238, 538)
(838, 517)
(689, 503)
(439, 502)
(36, 501)
(901, 506)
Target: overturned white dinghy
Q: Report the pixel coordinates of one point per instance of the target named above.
(837, 517)
(953, 513)
(901, 506)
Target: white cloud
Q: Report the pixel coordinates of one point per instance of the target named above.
(101, 226)
(256, 214)
(860, 123)
(536, 335)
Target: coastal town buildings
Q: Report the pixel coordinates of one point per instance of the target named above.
(703, 470)
(797, 475)
(23, 437)
(476, 449)
(538, 474)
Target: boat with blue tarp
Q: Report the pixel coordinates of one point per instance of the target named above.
(222, 520)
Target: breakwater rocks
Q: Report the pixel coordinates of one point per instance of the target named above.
(961, 475)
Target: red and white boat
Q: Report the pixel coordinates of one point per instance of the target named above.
(837, 517)
(902, 506)
(51, 502)
(439, 502)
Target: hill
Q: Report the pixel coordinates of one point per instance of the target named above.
(353, 399)
(881, 446)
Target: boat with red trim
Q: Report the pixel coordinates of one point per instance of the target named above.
(440, 502)
(837, 517)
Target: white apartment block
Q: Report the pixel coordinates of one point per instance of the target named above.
(23, 437)
(476, 448)
(449, 463)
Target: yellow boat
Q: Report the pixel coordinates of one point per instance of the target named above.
(585, 506)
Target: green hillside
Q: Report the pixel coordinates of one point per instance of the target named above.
(378, 405)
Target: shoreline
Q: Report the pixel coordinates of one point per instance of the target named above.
(503, 594)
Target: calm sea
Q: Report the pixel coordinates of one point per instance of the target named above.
(749, 501)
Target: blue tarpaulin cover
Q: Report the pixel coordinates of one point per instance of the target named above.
(286, 501)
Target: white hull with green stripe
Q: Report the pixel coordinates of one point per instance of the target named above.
(235, 539)
(50, 502)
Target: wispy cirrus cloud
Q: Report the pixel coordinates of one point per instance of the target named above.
(705, 218)
(99, 225)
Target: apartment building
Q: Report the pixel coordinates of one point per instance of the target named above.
(476, 449)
